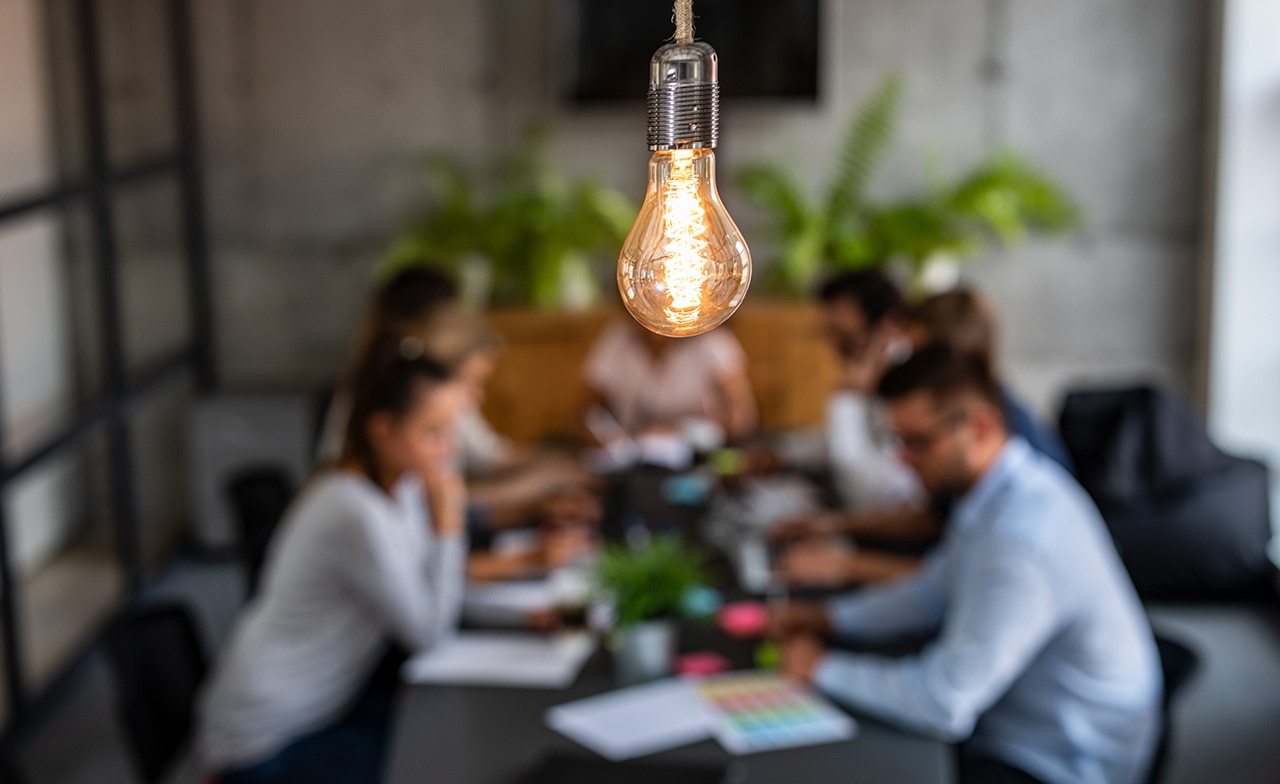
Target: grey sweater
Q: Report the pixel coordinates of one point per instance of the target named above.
(350, 568)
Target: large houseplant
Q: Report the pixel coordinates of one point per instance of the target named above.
(1001, 198)
(647, 587)
(536, 237)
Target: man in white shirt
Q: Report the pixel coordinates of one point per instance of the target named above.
(861, 313)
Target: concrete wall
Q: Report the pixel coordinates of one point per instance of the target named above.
(315, 112)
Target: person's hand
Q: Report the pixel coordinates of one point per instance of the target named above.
(659, 430)
(794, 618)
(760, 460)
(548, 478)
(800, 656)
(572, 506)
(563, 469)
(825, 563)
(543, 620)
(446, 499)
(565, 546)
(805, 526)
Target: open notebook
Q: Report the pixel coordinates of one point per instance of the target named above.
(503, 659)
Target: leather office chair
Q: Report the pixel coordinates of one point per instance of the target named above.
(159, 663)
(259, 496)
(9, 767)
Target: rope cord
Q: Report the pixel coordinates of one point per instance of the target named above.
(683, 18)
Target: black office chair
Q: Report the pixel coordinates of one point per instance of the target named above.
(155, 653)
(259, 495)
(1179, 663)
(9, 767)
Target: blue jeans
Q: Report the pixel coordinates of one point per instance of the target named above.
(350, 751)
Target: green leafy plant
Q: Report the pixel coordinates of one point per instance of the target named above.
(528, 223)
(1002, 198)
(649, 582)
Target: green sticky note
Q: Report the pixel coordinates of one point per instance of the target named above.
(727, 462)
(768, 657)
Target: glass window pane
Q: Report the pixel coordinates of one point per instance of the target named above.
(26, 154)
(37, 368)
(50, 334)
(66, 571)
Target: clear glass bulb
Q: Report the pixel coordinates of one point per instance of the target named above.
(684, 268)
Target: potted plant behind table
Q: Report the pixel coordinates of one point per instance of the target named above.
(649, 588)
(515, 232)
(1002, 198)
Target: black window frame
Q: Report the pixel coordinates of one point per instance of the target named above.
(95, 189)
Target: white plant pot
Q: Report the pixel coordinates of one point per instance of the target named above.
(940, 273)
(579, 289)
(475, 281)
(645, 651)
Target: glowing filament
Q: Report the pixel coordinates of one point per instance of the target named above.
(684, 227)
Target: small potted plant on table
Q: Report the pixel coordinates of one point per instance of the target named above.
(648, 588)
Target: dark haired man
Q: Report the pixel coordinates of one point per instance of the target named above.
(1044, 663)
(861, 311)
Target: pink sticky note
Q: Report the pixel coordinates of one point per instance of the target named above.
(744, 619)
(701, 663)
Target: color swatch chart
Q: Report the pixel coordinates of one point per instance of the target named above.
(763, 711)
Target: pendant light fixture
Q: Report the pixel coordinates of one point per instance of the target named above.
(684, 268)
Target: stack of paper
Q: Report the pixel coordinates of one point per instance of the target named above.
(503, 659)
(507, 603)
(635, 721)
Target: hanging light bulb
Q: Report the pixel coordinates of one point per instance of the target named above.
(684, 268)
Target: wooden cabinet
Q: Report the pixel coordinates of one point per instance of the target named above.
(538, 391)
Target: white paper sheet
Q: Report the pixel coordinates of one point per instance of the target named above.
(507, 603)
(635, 721)
(775, 498)
(503, 659)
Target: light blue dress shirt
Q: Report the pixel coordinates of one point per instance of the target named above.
(1044, 659)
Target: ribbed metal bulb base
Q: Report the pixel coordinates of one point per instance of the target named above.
(684, 115)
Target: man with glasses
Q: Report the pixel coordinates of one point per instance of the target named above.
(1044, 663)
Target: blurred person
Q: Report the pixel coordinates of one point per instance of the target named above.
(566, 534)
(511, 485)
(880, 497)
(400, 302)
(965, 320)
(506, 485)
(465, 344)
(1044, 664)
(862, 313)
(370, 554)
(654, 384)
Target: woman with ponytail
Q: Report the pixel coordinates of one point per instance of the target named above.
(362, 562)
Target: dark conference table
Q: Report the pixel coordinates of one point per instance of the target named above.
(484, 735)
(490, 735)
